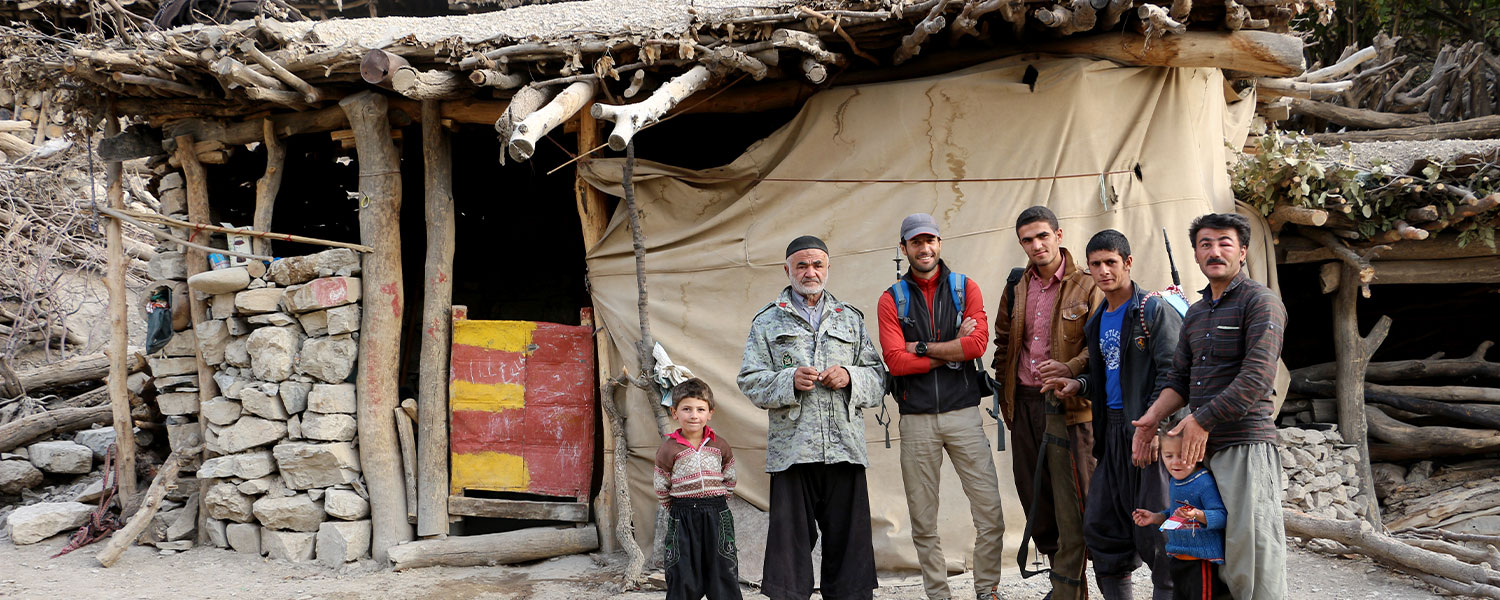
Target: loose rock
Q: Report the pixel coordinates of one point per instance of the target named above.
(37, 522)
(273, 351)
(332, 398)
(249, 432)
(221, 281)
(17, 475)
(98, 440)
(330, 359)
(319, 294)
(250, 465)
(340, 542)
(258, 402)
(254, 302)
(345, 504)
(225, 502)
(213, 338)
(294, 395)
(61, 457)
(220, 411)
(328, 427)
(294, 546)
(297, 513)
(243, 538)
(306, 465)
(300, 269)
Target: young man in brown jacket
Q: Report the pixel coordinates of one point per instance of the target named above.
(1038, 336)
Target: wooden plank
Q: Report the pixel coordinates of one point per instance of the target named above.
(577, 512)
(496, 548)
(408, 461)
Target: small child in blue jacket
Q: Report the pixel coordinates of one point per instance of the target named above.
(1195, 529)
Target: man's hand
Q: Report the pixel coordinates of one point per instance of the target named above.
(804, 379)
(1063, 387)
(1194, 439)
(1143, 517)
(1051, 369)
(834, 378)
(1144, 447)
(967, 327)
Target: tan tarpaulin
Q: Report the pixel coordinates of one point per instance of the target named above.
(716, 238)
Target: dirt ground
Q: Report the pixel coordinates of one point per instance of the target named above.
(143, 573)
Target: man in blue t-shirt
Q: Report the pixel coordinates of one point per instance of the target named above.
(1127, 356)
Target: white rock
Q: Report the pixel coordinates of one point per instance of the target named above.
(294, 427)
(316, 494)
(184, 436)
(294, 546)
(330, 359)
(237, 352)
(256, 402)
(340, 542)
(17, 475)
(37, 522)
(330, 427)
(314, 324)
(275, 319)
(319, 294)
(218, 535)
(61, 457)
(332, 398)
(345, 504)
(344, 319)
(294, 395)
(297, 513)
(273, 352)
(167, 367)
(222, 306)
(183, 343)
(299, 269)
(180, 403)
(221, 281)
(213, 338)
(250, 465)
(254, 302)
(243, 537)
(167, 265)
(91, 493)
(224, 501)
(256, 487)
(238, 326)
(170, 181)
(305, 465)
(185, 524)
(220, 411)
(249, 432)
(98, 440)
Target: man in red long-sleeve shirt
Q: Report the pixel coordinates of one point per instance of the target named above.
(931, 349)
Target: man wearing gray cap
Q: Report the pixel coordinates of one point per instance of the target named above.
(810, 363)
(932, 330)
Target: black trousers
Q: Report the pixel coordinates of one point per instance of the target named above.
(1198, 580)
(700, 554)
(807, 499)
(1115, 544)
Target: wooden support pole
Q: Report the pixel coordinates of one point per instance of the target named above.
(119, 336)
(437, 300)
(593, 217)
(1354, 352)
(268, 186)
(380, 330)
(593, 213)
(195, 183)
(166, 479)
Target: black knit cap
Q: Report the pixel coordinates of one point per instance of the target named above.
(805, 242)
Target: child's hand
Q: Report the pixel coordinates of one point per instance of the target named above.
(1191, 514)
(1143, 517)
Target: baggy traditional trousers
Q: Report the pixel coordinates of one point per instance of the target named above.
(1039, 425)
(1197, 580)
(701, 556)
(1249, 477)
(924, 438)
(1115, 544)
(809, 498)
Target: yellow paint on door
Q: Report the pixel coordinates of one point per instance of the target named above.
(488, 397)
(495, 471)
(508, 336)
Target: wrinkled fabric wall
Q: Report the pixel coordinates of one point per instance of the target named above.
(716, 238)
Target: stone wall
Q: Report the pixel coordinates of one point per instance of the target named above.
(1318, 473)
(283, 479)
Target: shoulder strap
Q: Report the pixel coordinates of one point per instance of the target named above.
(1010, 285)
(900, 294)
(1148, 314)
(957, 285)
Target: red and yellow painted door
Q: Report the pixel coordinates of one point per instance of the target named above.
(521, 399)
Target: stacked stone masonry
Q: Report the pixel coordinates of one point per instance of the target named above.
(1318, 473)
(283, 479)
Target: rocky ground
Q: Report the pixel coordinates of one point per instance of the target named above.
(145, 573)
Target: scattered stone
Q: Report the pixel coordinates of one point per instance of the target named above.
(297, 513)
(222, 306)
(97, 439)
(332, 398)
(294, 546)
(300, 269)
(213, 337)
(319, 294)
(257, 402)
(237, 352)
(175, 546)
(256, 301)
(276, 319)
(256, 284)
(183, 343)
(305, 465)
(221, 281)
(249, 432)
(273, 351)
(37, 522)
(330, 359)
(91, 492)
(167, 367)
(61, 457)
(185, 524)
(17, 475)
(316, 494)
(170, 181)
(342, 541)
(225, 502)
(243, 537)
(328, 427)
(294, 395)
(167, 265)
(250, 465)
(138, 381)
(178, 403)
(1387, 477)
(346, 505)
(220, 411)
(218, 535)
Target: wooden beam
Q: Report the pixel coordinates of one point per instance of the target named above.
(1356, 117)
(268, 185)
(496, 548)
(25, 430)
(88, 367)
(1460, 270)
(380, 330)
(1258, 52)
(494, 508)
(1479, 128)
(309, 93)
(408, 440)
(119, 335)
(1438, 247)
(286, 237)
(437, 300)
(567, 103)
(632, 118)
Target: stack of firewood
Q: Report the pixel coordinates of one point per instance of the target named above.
(28, 121)
(1376, 89)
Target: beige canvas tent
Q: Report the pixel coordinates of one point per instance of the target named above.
(973, 148)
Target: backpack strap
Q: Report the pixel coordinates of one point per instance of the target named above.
(1011, 280)
(902, 296)
(958, 283)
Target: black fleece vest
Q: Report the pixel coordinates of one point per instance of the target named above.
(944, 388)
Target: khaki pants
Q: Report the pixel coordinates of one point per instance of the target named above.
(924, 438)
(1249, 478)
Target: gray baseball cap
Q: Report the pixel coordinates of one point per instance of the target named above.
(918, 224)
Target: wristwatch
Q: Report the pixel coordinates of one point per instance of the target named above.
(921, 348)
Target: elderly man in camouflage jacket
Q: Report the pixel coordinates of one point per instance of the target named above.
(810, 363)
